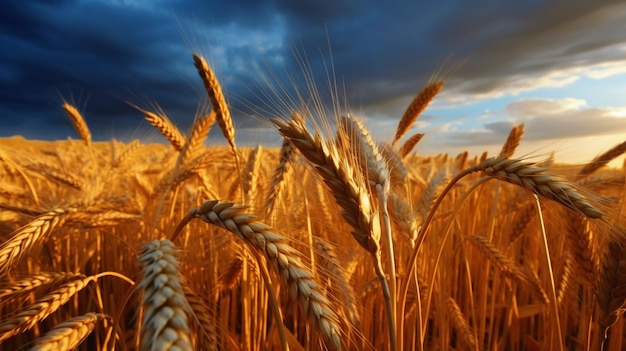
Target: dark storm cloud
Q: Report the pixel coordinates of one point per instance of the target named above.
(111, 51)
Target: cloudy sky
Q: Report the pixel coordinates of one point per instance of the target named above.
(559, 66)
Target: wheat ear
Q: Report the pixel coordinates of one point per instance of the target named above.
(42, 308)
(167, 128)
(611, 288)
(356, 141)
(461, 325)
(340, 282)
(164, 325)
(28, 284)
(538, 181)
(262, 238)
(220, 107)
(67, 335)
(601, 160)
(78, 122)
(397, 169)
(343, 181)
(507, 266)
(512, 141)
(56, 174)
(409, 144)
(286, 156)
(214, 91)
(198, 134)
(21, 241)
(416, 107)
(350, 192)
(250, 174)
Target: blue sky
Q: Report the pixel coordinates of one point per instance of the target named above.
(559, 66)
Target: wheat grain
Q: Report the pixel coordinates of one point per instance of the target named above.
(251, 174)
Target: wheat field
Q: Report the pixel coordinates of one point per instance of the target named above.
(333, 241)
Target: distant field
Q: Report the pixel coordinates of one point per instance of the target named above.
(333, 241)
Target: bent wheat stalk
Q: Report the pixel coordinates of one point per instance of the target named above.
(298, 278)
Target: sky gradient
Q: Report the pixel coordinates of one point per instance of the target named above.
(559, 66)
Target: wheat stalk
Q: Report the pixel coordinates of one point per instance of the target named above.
(67, 335)
(164, 325)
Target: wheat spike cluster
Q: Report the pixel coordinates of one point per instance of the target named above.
(335, 241)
